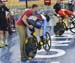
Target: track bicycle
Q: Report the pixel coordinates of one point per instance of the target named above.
(61, 26)
(31, 43)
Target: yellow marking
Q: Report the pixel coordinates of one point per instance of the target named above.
(26, 41)
(41, 43)
(30, 58)
(34, 34)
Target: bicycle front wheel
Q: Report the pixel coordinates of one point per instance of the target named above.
(47, 42)
(72, 29)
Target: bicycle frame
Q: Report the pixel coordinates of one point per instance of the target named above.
(44, 26)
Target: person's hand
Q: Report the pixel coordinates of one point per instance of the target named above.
(30, 26)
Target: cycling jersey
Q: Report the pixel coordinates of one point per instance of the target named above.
(65, 12)
(62, 13)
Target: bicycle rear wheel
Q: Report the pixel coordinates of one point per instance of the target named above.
(30, 48)
(47, 42)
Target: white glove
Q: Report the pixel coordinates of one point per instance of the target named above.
(58, 15)
(43, 17)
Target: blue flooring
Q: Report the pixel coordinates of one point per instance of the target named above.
(59, 53)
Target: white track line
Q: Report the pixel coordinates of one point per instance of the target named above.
(60, 44)
(66, 36)
(66, 41)
(54, 62)
(58, 54)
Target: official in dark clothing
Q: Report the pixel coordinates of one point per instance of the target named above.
(3, 24)
(3, 20)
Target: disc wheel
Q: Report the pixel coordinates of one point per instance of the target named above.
(30, 48)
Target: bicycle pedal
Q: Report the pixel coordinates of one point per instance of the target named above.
(41, 43)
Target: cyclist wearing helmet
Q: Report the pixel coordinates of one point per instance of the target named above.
(63, 13)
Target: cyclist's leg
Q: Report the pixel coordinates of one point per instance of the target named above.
(65, 17)
(40, 41)
(42, 32)
(44, 27)
(22, 30)
(67, 22)
(69, 13)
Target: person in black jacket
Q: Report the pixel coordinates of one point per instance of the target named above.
(3, 24)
